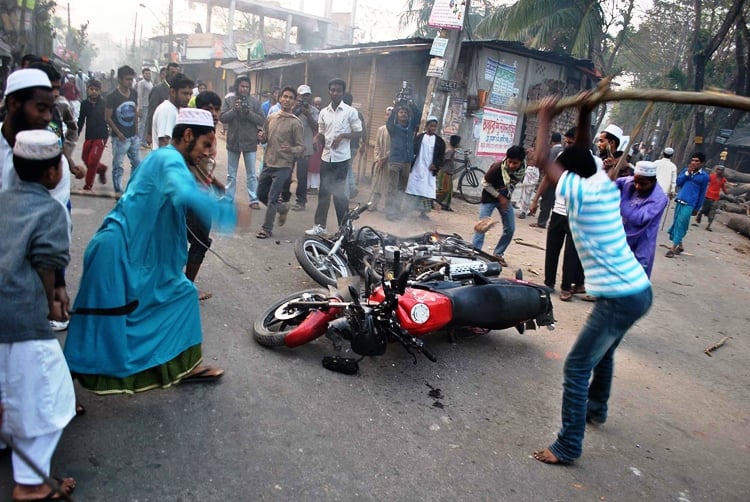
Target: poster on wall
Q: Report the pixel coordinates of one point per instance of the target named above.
(491, 69)
(503, 85)
(448, 14)
(497, 133)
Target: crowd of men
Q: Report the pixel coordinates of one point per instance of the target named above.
(606, 217)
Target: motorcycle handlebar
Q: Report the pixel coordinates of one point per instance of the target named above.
(359, 210)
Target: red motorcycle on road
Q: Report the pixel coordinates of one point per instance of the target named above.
(395, 311)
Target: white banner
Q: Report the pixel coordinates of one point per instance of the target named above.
(497, 133)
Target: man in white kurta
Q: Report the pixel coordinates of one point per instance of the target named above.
(36, 389)
(429, 150)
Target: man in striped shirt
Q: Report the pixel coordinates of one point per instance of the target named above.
(613, 276)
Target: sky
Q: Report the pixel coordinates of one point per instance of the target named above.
(118, 18)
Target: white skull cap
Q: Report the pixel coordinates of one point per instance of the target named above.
(37, 144)
(25, 79)
(645, 168)
(614, 131)
(195, 116)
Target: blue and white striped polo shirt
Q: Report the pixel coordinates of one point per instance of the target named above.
(596, 225)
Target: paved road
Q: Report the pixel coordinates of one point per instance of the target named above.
(281, 427)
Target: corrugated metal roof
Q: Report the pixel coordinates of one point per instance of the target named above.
(273, 63)
(234, 66)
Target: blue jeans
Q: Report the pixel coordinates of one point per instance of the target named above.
(594, 351)
(509, 226)
(130, 147)
(233, 163)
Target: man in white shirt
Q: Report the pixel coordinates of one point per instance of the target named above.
(666, 172)
(165, 115)
(143, 88)
(338, 123)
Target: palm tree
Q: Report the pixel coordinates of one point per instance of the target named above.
(572, 27)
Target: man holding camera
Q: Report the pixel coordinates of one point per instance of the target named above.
(243, 117)
(308, 114)
(401, 124)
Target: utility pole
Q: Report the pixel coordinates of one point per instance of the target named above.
(69, 38)
(437, 97)
(170, 37)
(135, 29)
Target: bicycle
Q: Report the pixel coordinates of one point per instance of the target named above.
(469, 184)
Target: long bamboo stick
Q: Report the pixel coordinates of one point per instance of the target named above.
(706, 98)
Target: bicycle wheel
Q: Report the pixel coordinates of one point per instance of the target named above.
(470, 185)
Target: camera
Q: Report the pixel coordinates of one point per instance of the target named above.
(404, 95)
(244, 103)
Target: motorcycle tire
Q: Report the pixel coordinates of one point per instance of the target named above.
(273, 325)
(470, 185)
(312, 255)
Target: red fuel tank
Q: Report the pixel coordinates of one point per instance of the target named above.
(420, 311)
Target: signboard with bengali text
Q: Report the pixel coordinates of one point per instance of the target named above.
(496, 134)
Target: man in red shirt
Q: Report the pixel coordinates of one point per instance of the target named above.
(716, 184)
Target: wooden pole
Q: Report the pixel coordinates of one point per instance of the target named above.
(706, 98)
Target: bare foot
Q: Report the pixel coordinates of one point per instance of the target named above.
(546, 456)
(204, 295)
(43, 492)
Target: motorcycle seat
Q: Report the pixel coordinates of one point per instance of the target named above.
(497, 305)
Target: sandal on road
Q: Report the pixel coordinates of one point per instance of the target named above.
(263, 234)
(67, 486)
(203, 374)
(565, 295)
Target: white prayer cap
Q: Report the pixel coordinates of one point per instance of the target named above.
(431, 118)
(645, 168)
(196, 117)
(669, 151)
(304, 89)
(389, 109)
(25, 79)
(614, 131)
(37, 144)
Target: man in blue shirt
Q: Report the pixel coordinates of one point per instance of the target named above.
(691, 185)
(402, 124)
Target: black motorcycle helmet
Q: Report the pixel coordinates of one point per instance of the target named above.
(366, 340)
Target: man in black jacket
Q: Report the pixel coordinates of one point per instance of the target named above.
(97, 132)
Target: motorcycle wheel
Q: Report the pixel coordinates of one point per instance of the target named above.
(273, 325)
(312, 255)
